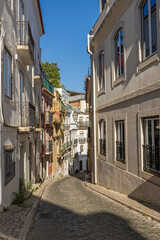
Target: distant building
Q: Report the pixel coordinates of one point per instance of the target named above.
(47, 133)
(82, 124)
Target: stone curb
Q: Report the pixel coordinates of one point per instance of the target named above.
(130, 203)
(25, 229)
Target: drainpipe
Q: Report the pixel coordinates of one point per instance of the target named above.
(1, 43)
(94, 112)
(88, 41)
(1, 115)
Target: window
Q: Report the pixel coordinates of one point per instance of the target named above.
(120, 141)
(149, 28)
(119, 54)
(81, 148)
(9, 165)
(151, 154)
(80, 165)
(101, 71)
(102, 4)
(102, 137)
(7, 74)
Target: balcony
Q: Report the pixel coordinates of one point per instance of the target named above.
(151, 162)
(83, 124)
(27, 116)
(32, 116)
(48, 147)
(82, 140)
(37, 73)
(48, 117)
(47, 86)
(25, 43)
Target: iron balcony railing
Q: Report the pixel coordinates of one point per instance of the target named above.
(28, 115)
(151, 158)
(47, 84)
(83, 124)
(120, 151)
(102, 146)
(32, 115)
(82, 140)
(25, 36)
(48, 147)
(48, 117)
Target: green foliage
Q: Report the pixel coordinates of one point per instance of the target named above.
(52, 71)
(29, 185)
(76, 171)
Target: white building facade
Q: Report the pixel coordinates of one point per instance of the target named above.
(21, 27)
(125, 51)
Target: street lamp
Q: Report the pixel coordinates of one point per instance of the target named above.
(75, 116)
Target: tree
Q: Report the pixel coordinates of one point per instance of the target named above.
(52, 71)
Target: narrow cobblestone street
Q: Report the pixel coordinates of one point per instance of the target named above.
(69, 210)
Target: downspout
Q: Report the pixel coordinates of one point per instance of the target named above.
(1, 43)
(1, 115)
(94, 113)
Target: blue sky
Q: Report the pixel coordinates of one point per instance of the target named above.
(67, 23)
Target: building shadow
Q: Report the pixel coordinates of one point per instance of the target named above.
(144, 194)
(56, 222)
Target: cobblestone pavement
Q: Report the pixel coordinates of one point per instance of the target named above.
(12, 221)
(69, 210)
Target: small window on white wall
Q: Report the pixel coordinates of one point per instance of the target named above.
(7, 74)
(120, 141)
(149, 27)
(9, 165)
(151, 145)
(101, 82)
(102, 137)
(119, 54)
